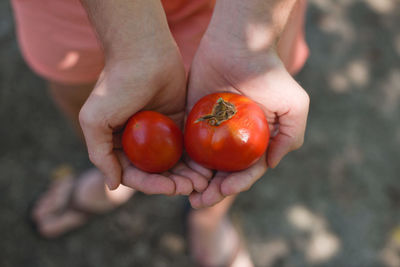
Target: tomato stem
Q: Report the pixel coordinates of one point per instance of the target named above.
(222, 111)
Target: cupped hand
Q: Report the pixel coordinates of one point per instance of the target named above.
(149, 79)
(261, 76)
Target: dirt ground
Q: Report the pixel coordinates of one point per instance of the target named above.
(335, 202)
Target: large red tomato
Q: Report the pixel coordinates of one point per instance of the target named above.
(226, 132)
(152, 141)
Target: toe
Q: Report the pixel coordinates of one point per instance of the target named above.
(53, 227)
(52, 200)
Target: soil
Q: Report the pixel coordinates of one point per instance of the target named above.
(335, 202)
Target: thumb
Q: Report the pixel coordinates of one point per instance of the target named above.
(100, 145)
(292, 125)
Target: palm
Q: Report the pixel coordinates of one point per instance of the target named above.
(169, 100)
(262, 78)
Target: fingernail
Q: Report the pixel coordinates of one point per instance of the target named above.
(272, 165)
(109, 184)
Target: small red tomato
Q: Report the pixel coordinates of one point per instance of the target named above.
(152, 141)
(226, 132)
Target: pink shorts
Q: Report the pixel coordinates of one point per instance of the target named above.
(59, 43)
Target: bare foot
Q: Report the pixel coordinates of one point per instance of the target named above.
(216, 242)
(69, 201)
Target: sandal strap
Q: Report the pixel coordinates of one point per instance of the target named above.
(71, 204)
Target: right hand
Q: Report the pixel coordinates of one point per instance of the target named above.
(223, 64)
(153, 79)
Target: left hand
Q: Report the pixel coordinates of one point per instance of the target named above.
(156, 81)
(261, 76)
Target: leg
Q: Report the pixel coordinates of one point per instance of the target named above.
(91, 194)
(292, 47)
(69, 99)
(67, 51)
(213, 239)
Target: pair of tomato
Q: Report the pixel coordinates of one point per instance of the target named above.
(224, 131)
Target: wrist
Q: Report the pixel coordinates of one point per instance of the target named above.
(155, 43)
(128, 29)
(145, 50)
(251, 24)
(153, 65)
(236, 60)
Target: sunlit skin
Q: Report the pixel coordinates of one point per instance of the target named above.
(152, 142)
(233, 145)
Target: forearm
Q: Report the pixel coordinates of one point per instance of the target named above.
(128, 28)
(258, 23)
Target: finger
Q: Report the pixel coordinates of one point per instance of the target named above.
(199, 182)
(143, 181)
(56, 225)
(212, 195)
(292, 126)
(147, 183)
(123, 159)
(101, 154)
(99, 140)
(278, 148)
(195, 200)
(290, 105)
(242, 181)
(183, 185)
(290, 137)
(150, 183)
(207, 173)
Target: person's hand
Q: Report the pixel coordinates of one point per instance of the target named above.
(155, 80)
(143, 71)
(223, 63)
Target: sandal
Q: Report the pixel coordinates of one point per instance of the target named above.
(75, 215)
